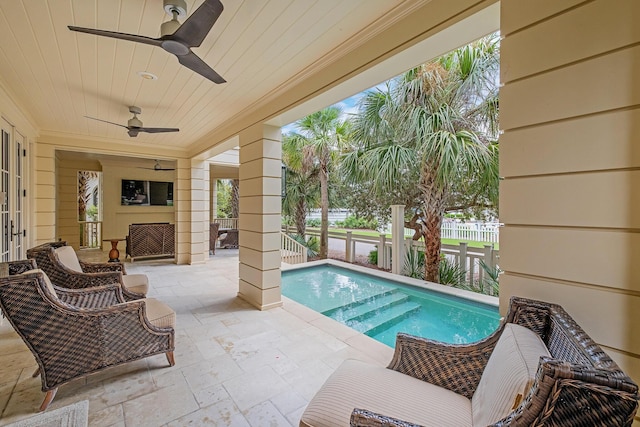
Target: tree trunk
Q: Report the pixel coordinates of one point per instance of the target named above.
(433, 206)
(324, 218)
(301, 217)
(235, 198)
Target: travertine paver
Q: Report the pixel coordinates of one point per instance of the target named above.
(235, 365)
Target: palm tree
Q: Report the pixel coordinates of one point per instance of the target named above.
(320, 135)
(302, 191)
(434, 128)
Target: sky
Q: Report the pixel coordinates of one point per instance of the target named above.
(348, 106)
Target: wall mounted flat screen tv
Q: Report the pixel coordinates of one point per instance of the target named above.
(146, 193)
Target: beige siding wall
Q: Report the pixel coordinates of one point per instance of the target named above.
(570, 158)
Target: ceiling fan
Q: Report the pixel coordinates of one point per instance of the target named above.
(134, 125)
(158, 167)
(175, 38)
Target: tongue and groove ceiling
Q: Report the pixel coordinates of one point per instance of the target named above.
(259, 46)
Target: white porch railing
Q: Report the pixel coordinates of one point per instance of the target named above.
(291, 251)
(90, 234)
(463, 255)
(230, 223)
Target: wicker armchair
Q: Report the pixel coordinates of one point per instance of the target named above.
(229, 239)
(76, 332)
(577, 385)
(213, 237)
(64, 269)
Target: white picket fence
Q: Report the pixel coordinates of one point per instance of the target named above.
(475, 231)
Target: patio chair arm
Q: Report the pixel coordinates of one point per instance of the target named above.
(558, 382)
(76, 280)
(364, 418)
(452, 366)
(21, 266)
(94, 297)
(99, 267)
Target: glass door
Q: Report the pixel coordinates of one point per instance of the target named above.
(12, 193)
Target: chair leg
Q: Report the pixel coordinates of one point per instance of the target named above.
(170, 358)
(36, 373)
(48, 398)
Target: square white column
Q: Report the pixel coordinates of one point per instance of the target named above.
(260, 216)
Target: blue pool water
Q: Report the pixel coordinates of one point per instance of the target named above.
(381, 308)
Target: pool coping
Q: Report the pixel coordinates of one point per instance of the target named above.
(437, 287)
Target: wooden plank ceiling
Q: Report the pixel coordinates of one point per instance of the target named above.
(58, 76)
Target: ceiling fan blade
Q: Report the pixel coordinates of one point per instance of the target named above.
(157, 130)
(193, 31)
(106, 121)
(116, 35)
(193, 62)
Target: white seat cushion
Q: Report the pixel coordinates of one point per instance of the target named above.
(138, 283)
(68, 257)
(509, 374)
(159, 313)
(361, 385)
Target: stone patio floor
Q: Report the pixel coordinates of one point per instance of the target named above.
(235, 365)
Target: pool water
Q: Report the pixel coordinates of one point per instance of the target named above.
(381, 308)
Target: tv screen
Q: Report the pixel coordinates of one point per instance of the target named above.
(145, 193)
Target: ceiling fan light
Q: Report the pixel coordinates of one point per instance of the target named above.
(134, 122)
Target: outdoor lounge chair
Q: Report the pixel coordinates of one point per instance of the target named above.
(229, 239)
(538, 369)
(76, 332)
(213, 236)
(64, 269)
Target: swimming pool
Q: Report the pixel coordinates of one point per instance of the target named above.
(380, 308)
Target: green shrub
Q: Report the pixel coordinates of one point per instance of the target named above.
(92, 213)
(354, 222)
(314, 222)
(373, 257)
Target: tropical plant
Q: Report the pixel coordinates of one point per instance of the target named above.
(320, 135)
(302, 191)
(413, 264)
(312, 244)
(451, 274)
(87, 181)
(429, 137)
(224, 209)
(235, 198)
(490, 283)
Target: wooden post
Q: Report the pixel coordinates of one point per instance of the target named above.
(382, 250)
(462, 257)
(348, 247)
(397, 236)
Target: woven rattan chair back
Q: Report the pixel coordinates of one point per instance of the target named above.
(69, 342)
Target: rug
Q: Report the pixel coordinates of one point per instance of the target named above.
(74, 415)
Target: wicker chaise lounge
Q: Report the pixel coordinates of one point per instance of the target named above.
(76, 332)
(64, 269)
(538, 369)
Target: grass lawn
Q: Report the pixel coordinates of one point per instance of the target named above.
(373, 233)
